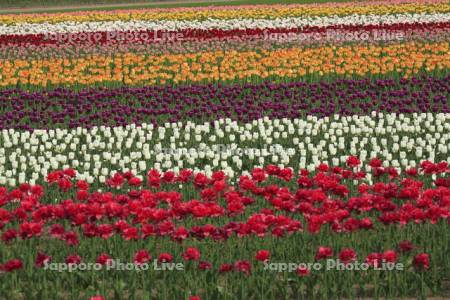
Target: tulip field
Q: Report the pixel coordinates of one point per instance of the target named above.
(253, 151)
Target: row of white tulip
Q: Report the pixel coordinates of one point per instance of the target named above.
(401, 141)
(170, 25)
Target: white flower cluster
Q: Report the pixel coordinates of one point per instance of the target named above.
(400, 140)
(170, 25)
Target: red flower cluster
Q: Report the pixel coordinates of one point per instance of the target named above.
(145, 37)
(135, 209)
(320, 199)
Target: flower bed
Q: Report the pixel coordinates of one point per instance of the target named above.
(237, 152)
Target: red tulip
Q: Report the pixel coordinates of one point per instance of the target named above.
(262, 255)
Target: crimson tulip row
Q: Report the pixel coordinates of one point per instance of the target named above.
(272, 201)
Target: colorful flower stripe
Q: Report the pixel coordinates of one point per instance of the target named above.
(226, 24)
(405, 59)
(205, 103)
(387, 34)
(400, 140)
(311, 202)
(330, 34)
(236, 12)
(230, 232)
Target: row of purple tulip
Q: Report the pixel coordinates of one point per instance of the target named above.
(62, 107)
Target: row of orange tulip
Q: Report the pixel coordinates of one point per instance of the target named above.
(135, 69)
